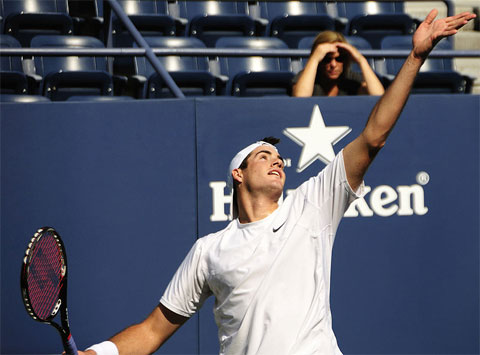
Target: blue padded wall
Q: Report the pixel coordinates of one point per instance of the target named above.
(130, 186)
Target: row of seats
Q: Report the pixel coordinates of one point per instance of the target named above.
(59, 78)
(207, 20)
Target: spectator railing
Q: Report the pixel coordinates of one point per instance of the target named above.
(218, 52)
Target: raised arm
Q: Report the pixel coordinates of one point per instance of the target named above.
(359, 154)
(147, 336)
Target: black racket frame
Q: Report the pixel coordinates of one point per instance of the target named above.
(64, 328)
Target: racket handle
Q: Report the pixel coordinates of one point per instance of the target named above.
(70, 346)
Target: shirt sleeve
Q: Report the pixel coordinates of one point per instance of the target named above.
(188, 289)
(330, 191)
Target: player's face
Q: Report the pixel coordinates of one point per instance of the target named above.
(264, 170)
(332, 65)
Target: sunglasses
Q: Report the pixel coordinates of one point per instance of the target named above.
(341, 59)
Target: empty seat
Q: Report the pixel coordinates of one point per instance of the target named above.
(87, 17)
(150, 17)
(191, 73)
(27, 18)
(64, 76)
(255, 75)
(98, 98)
(12, 78)
(374, 20)
(15, 98)
(292, 20)
(210, 20)
(437, 75)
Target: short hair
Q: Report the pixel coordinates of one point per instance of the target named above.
(270, 140)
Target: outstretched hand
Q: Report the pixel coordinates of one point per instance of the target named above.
(431, 31)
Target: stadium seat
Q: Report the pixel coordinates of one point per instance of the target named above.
(98, 98)
(24, 19)
(254, 75)
(292, 20)
(64, 76)
(12, 78)
(191, 73)
(87, 17)
(150, 17)
(436, 75)
(23, 98)
(210, 20)
(374, 20)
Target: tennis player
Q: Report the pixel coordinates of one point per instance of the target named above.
(269, 269)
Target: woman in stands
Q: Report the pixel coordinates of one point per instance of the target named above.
(327, 72)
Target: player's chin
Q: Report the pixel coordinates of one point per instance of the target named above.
(277, 186)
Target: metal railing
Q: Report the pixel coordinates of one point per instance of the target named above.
(217, 52)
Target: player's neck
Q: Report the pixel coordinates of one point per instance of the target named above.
(255, 209)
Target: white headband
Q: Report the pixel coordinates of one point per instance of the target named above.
(240, 157)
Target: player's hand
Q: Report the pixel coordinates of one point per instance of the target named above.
(431, 31)
(88, 352)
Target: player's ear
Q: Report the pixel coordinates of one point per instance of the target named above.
(237, 175)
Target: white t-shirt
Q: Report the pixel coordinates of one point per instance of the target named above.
(270, 278)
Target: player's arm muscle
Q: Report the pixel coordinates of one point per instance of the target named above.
(149, 335)
(359, 154)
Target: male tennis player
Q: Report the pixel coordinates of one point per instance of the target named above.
(269, 269)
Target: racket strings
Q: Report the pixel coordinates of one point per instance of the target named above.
(45, 276)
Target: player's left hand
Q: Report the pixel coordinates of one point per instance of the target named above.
(431, 31)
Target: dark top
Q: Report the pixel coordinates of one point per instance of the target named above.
(348, 84)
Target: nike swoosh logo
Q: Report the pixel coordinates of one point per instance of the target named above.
(275, 230)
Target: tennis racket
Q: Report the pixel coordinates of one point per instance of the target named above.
(44, 283)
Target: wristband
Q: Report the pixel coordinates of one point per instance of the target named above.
(105, 348)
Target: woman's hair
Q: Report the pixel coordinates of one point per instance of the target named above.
(331, 37)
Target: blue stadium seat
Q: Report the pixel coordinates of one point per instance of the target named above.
(150, 17)
(191, 73)
(64, 76)
(87, 17)
(12, 78)
(436, 75)
(23, 98)
(254, 75)
(374, 20)
(210, 20)
(24, 19)
(98, 98)
(292, 20)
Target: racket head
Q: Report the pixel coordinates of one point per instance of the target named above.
(44, 275)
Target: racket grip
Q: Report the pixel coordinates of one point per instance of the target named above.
(70, 346)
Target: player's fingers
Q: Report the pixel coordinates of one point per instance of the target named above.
(431, 16)
(459, 20)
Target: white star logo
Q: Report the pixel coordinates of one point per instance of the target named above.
(317, 140)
